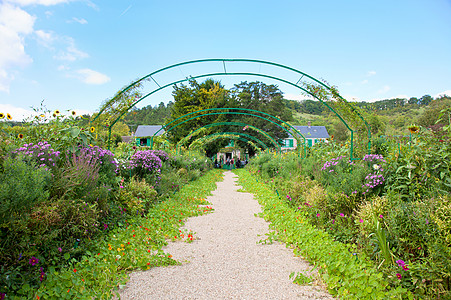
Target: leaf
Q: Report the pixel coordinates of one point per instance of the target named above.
(66, 256)
(74, 132)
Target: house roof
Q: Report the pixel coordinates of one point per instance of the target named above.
(148, 130)
(312, 132)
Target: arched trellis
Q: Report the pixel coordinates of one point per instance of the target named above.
(128, 97)
(273, 141)
(241, 111)
(227, 134)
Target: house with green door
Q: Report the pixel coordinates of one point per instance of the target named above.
(312, 134)
(144, 134)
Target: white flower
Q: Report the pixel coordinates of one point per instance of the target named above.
(376, 167)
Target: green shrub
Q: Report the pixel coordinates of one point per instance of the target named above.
(22, 186)
(136, 196)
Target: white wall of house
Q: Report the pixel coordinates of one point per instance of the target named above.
(291, 143)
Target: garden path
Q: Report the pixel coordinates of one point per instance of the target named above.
(225, 261)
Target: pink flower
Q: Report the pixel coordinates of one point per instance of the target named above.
(318, 215)
(400, 262)
(399, 276)
(381, 216)
(342, 214)
(405, 268)
(33, 261)
(361, 220)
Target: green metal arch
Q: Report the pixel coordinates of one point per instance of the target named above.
(274, 142)
(228, 112)
(302, 74)
(237, 133)
(239, 138)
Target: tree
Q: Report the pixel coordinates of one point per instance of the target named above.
(262, 97)
(425, 100)
(413, 100)
(195, 97)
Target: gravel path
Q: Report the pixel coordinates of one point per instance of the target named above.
(225, 261)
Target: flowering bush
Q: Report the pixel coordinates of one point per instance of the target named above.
(354, 178)
(79, 176)
(143, 162)
(41, 153)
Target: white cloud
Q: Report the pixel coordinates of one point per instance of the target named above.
(15, 24)
(445, 93)
(71, 53)
(20, 113)
(17, 113)
(81, 21)
(371, 73)
(92, 77)
(383, 90)
(34, 2)
(45, 38)
(365, 81)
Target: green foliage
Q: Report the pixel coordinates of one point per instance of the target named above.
(79, 176)
(22, 186)
(344, 271)
(136, 196)
(137, 245)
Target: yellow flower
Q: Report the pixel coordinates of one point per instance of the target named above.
(74, 113)
(42, 116)
(92, 129)
(2, 115)
(8, 116)
(413, 129)
(20, 136)
(56, 112)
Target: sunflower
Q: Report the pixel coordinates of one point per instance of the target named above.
(54, 115)
(20, 136)
(2, 115)
(413, 129)
(8, 116)
(74, 113)
(92, 129)
(57, 112)
(42, 116)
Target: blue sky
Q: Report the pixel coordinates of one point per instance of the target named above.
(75, 54)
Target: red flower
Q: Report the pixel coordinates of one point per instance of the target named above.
(75, 270)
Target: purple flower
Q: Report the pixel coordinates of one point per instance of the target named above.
(41, 276)
(60, 249)
(342, 214)
(318, 215)
(381, 216)
(33, 261)
(399, 276)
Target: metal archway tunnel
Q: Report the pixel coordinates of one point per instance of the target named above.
(130, 95)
